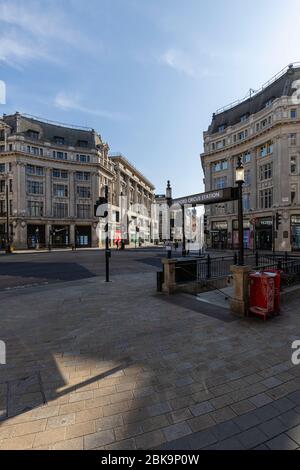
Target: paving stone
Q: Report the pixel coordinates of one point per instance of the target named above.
(283, 404)
(260, 400)
(266, 412)
(127, 444)
(201, 408)
(69, 444)
(231, 443)
(150, 440)
(271, 382)
(18, 443)
(224, 414)
(176, 431)
(282, 442)
(242, 407)
(49, 437)
(156, 422)
(225, 430)
(247, 421)
(60, 421)
(201, 440)
(88, 415)
(127, 431)
(108, 422)
(201, 422)
(31, 427)
(80, 429)
(159, 409)
(252, 438)
(294, 434)
(273, 427)
(98, 439)
(295, 397)
(180, 415)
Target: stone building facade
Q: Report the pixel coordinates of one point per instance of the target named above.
(138, 197)
(55, 175)
(264, 130)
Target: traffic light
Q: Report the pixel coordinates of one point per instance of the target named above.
(278, 220)
(205, 223)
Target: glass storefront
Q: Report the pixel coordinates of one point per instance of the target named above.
(35, 236)
(219, 235)
(248, 239)
(264, 234)
(295, 232)
(60, 235)
(83, 235)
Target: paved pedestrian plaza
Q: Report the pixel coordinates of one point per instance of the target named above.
(92, 365)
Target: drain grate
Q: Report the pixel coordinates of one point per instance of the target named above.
(24, 394)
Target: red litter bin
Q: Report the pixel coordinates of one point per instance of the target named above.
(277, 288)
(262, 293)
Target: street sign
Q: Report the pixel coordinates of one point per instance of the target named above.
(210, 197)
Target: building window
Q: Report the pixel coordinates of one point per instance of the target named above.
(247, 177)
(266, 198)
(59, 140)
(34, 170)
(83, 176)
(246, 157)
(60, 210)
(246, 202)
(2, 135)
(2, 186)
(265, 172)
(293, 165)
(33, 135)
(35, 187)
(60, 155)
(2, 167)
(293, 113)
(220, 183)
(244, 117)
(60, 190)
(83, 158)
(293, 197)
(293, 139)
(220, 166)
(82, 143)
(266, 149)
(35, 208)
(269, 103)
(83, 211)
(222, 128)
(83, 191)
(63, 174)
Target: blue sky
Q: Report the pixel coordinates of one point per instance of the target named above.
(146, 74)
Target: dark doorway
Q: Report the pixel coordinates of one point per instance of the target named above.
(36, 236)
(83, 236)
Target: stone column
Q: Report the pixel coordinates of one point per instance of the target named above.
(48, 193)
(239, 301)
(72, 234)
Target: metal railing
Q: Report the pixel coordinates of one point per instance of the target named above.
(208, 267)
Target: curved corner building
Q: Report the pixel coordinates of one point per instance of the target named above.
(264, 130)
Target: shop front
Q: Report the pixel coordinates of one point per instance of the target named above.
(264, 234)
(36, 237)
(295, 232)
(248, 234)
(60, 236)
(219, 235)
(83, 236)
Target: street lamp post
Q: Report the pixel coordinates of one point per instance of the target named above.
(7, 237)
(240, 179)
